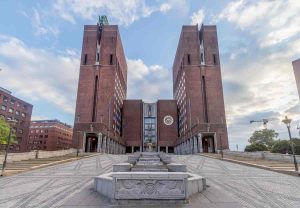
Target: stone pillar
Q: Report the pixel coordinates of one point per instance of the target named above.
(108, 145)
(132, 149)
(158, 148)
(104, 144)
(99, 142)
(200, 143)
(83, 142)
(167, 149)
(195, 144)
(114, 147)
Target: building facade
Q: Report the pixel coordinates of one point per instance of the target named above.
(13, 108)
(194, 121)
(296, 67)
(49, 135)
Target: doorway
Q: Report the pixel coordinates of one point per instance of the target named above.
(208, 144)
(91, 142)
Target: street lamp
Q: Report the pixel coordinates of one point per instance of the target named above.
(12, 122)
(287, 122)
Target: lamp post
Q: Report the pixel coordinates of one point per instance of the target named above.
(287, 122)
(12, 123)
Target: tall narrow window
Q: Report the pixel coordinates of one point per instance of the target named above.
(85, 59)
(215, 59)
(98, 57)
(95, 99)
(189, 59)
(204, 99)
(111, 59)
(202, 58)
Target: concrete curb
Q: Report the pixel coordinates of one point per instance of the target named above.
(292, 173)
(48, 165)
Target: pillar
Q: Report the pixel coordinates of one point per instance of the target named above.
(99, 142)
(195, 144)
(167, 149)
(132, 149)
(200, 148)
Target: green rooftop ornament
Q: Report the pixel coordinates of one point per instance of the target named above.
(103, 20)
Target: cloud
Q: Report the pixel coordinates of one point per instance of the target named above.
(41, 28)
(123, 12)
(39, 74)
(165, 7)
(197, 17)
(148, 82)
(272, 21)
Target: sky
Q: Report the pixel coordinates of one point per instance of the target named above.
(40, 46)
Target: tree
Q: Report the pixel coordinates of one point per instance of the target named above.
(256, 147)
(4, 132)
(281, 146)
(264, 136)
(284, 146)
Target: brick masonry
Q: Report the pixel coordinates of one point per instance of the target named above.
(197, 108)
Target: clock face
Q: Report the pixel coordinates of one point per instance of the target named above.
(168, 120)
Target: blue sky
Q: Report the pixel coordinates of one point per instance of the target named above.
(40, 45)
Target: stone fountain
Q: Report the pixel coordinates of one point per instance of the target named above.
(149, 175)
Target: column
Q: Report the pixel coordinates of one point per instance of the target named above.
(132, 149)
(195, 144)
(200, 148)
(88, 144)
(167, 149)
(99, 142)
(108, 145)
(104, 144)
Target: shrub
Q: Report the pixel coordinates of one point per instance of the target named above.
(256, 147)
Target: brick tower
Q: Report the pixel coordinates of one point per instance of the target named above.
(197, 87)
(101, 90)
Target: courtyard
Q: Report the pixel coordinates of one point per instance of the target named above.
(228, 185)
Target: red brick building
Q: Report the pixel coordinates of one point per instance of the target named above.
(13, 108)
(49, 135)
(193, 122)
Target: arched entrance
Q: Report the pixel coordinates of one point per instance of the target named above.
(91, 142)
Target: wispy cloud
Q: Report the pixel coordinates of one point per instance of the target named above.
(197, 17)
(148, 82)
(273, 21)
(123, 12)
(38, 74)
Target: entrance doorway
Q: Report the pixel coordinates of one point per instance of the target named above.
(91, 142)
(208, 144)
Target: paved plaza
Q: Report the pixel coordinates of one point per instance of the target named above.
(71, 185)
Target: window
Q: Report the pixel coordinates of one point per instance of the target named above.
(111, 59)
(17, 112)
(10, 110)
(12, 101)
(215, 59)
(202, 58)
(85, 59)
(20, 131)
(46, 131)
(9, 118)
(98, 57)
(3, 107)
(17, 147)
(189, 59)
(46, 136)
(23, 115)
(18, 104)
(41, 136)
(5, 99)
(24, 107)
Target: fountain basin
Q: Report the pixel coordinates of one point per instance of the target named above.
(149, 185)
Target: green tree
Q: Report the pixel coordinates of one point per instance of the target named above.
(4, 132)
(281, 146)
(284, 146)
(264, 136)
(256, 147)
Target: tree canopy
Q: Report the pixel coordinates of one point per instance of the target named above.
(256, 147)
(4, 132)
(264, 136)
